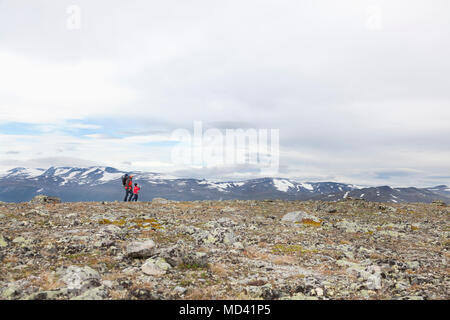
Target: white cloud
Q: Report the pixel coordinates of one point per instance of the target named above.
(38, 91)
(350, 101)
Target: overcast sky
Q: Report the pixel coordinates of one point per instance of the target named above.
(359, 89)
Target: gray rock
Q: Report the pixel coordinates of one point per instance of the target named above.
(238, 245)
(298, 216)
(160, 201)
(3, 242)
(299, 296)
(45, 199)
(98, 293)
(19, 240)
(218, 235)
(413, 265)
(81, 278)
(11, 292)
(412, 298)
(112, 229)
(198, 259)
(180, 290)
(141, 249)
(155, 267)
(373, 282)
(174, 254)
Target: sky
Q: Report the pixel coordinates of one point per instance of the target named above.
(358, 91)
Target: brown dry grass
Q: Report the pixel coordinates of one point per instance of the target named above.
(219, 269)
(283, 260)
(47, 281)
(201, 294)
(253, 253)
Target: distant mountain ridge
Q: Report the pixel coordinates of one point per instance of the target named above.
(103, 184)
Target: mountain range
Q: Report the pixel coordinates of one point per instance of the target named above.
(104, 184)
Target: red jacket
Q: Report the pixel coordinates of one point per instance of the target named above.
(136, 190)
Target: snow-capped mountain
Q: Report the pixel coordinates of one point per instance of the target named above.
(104, 183)
(389, 194)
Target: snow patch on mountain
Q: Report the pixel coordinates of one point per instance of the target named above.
(23, 173)
(307, 186)
(107, 176)
(283, 184)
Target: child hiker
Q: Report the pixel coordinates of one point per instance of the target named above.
(135, 192)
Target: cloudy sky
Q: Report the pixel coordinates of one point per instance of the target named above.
(359, 90)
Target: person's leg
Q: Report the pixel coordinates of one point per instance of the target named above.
(126, 195)
(131, 195)
(136, 197)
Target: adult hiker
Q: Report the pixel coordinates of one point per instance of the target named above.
(128, 185)
(135, 192)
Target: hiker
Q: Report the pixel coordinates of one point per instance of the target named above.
(135, 192)
(127, 182)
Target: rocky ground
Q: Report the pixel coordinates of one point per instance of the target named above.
(351, 249)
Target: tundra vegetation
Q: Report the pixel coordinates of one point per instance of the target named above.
(350, 249)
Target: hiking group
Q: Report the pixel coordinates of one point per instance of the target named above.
(131, 192)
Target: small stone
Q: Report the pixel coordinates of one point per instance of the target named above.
(180, 290)
(238, 245)
(319, 292)
(160, 201)
(412, 298)
(413, 265)
(19, 240)
(374, 282)
(3, 242)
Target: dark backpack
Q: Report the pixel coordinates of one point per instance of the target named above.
(124, 179)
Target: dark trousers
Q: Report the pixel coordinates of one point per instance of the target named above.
(135, 197)
(128, 195)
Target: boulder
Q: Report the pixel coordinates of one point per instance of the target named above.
(155, 267)
(11, 292)
(43, 199)
(216, 236)
(141, 249)
(81, 278)
(197, 259)
(299, 216)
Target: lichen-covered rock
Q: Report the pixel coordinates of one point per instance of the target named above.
(197, 259)
(202, 250)
(80, 278)
(155, 267)
(11, 292)
(98, 293)
(3, 242)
